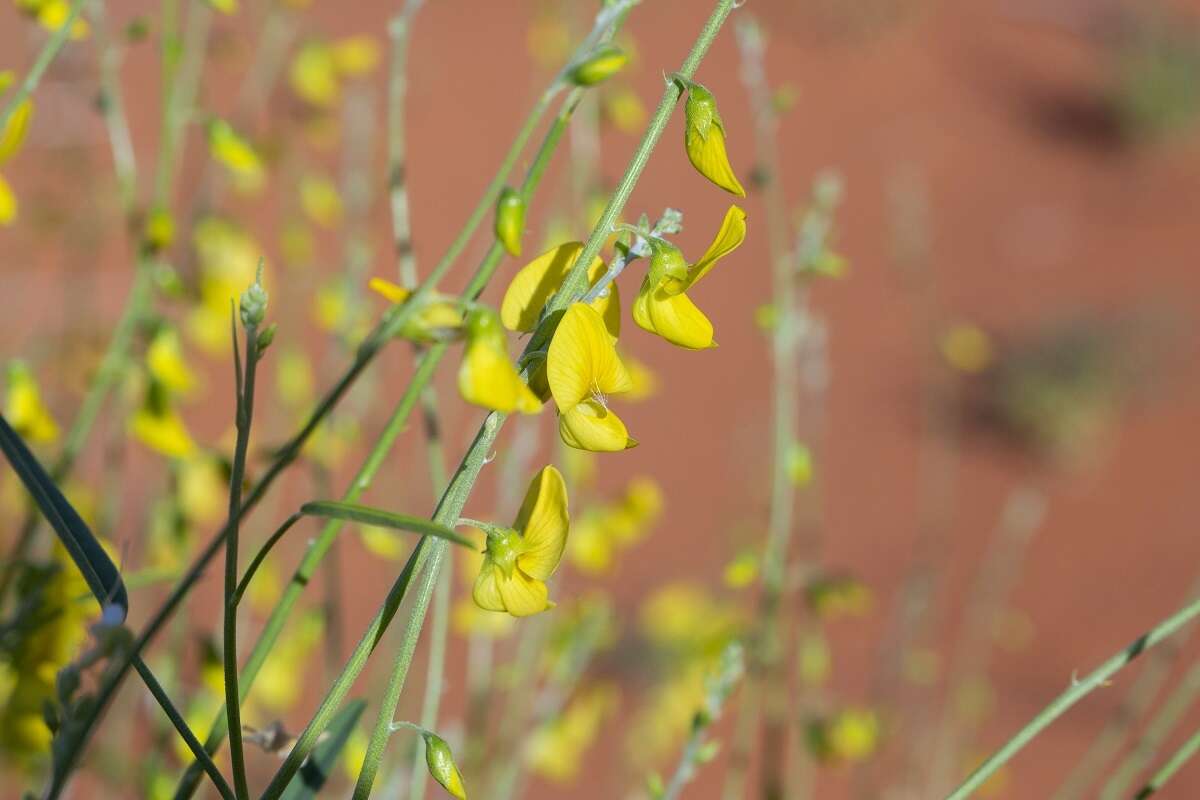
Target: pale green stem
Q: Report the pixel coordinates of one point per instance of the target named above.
(398, 30)
(45, 58)
(1155, 736)
(1173, 765)
(1079, 689)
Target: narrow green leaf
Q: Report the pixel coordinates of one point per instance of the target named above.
(98, 569)
(384, 519)
(315, 771)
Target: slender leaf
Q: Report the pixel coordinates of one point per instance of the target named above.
(385, 519)
(312, 776)
(98, 569)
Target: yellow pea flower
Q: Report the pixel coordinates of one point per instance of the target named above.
(519, 560)
(469, 619)
(321, 201)
(623, 108)
(53, 14)
(355, 56)
(849, 735)
(704, 138)
(967, 348)
(203, 489)
(662, 305)
(557, 749)
(24, 407)
(8, 203)
(313, 75)
(235, 153)
(487, 376)
(582, 369)
(535, 282)
(162, 429)
(439, 319)
(12, 136)
(164, 359)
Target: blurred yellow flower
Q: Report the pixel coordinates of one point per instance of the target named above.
(600, 532)
(203, 489)
(228, 260)
(53, 14)
(355, 56)
(164, 360)
(833, 596)
(24, 408)
(280, 684)
(321, 201)
(847, 736)
(683, 617)
(236, 154)
(624, 109)
(162, 429)
(439, 318)
(8, 203)
(662, 305)
(583, 369)
(556, 750)
(519, 560)
(967, 348)
(742, 571)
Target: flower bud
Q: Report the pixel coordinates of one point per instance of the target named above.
(253, 304)
(666, 262)
(266, 336)
(704, 138)
(510, 220)
(601, 65)
(441, 765)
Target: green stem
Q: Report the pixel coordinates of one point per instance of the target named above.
(435, 676)
(245, 415)
(398, 30)
(1173, 765)
(1077, 691)
(45, 58)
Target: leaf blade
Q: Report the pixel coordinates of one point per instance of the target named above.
(352, 512)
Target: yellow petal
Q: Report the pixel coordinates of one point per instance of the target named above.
(313, 75)
(728, 239)
(707, 154)
(674, 318)
(543, 523)
(582, 359)
(320, 200)
(164, 432)
(355, 56)
(390, 291)
(486, 591)
(591, 426)
(488, 378)
(13, 134)
(522, 595)
(8, 203)
(535, 282)
(164, 359)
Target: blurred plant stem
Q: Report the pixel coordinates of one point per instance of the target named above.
(1079, 688)
(1021, 517)
(245, 415)
(45, 58)
(1141, 696)
(1155, 736)
(1180, 757)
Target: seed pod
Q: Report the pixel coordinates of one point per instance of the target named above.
(601, 65)
(510, 220)
(441, 765)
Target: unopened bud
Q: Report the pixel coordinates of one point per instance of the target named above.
(441, 765)
(510, 220)
(601, 65)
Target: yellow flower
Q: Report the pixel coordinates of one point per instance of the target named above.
(519, 560)
(624, 109)
(599, 66)
(470, 619)
(320, 200)
(382, 542)
(556, 750)
(848, 735)
(510, 220)
(24, 408)
(704, 138)
(8, 203)
(535, 282)
(313, 75)
(438, 319)
(967, 348)
(224, 6)
(599, 533)
(12, 136)
(741, 571)
(162, 430)
(487, 376)
(280, 684)
(53, 14)
(355, 56)
(164, 359)
(583, 369)
(832, 596)
(203, 489)
(235, 153)
(662, 305)
(228, 259)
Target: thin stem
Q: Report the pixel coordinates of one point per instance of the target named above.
(1079, 689)
(1155, 736)
(1173, 765)
(398, 30)
(261, 556)
(245, 415)
(435, 676)
(45, 58)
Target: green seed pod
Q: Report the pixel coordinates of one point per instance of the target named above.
(601, 65)
(510, 220)
(441, 765)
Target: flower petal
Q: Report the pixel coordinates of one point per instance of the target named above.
(543, 523)
(707, 154)
(582, 359)
(591, 426)
(12, 136)
(728, 239)
(488, 378)
(486, 591)
(8, 203)
(392, 292)
(523, 595)
(674, 318)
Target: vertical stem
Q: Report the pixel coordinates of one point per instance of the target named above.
(245, 413)
(45, 58)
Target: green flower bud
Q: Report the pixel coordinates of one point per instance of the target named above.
(601, 65)
(253, 304)
(441, 765)
(510, 220)
(666, 261)
(266, 336)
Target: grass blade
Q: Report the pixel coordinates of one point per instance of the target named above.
(353, 512)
